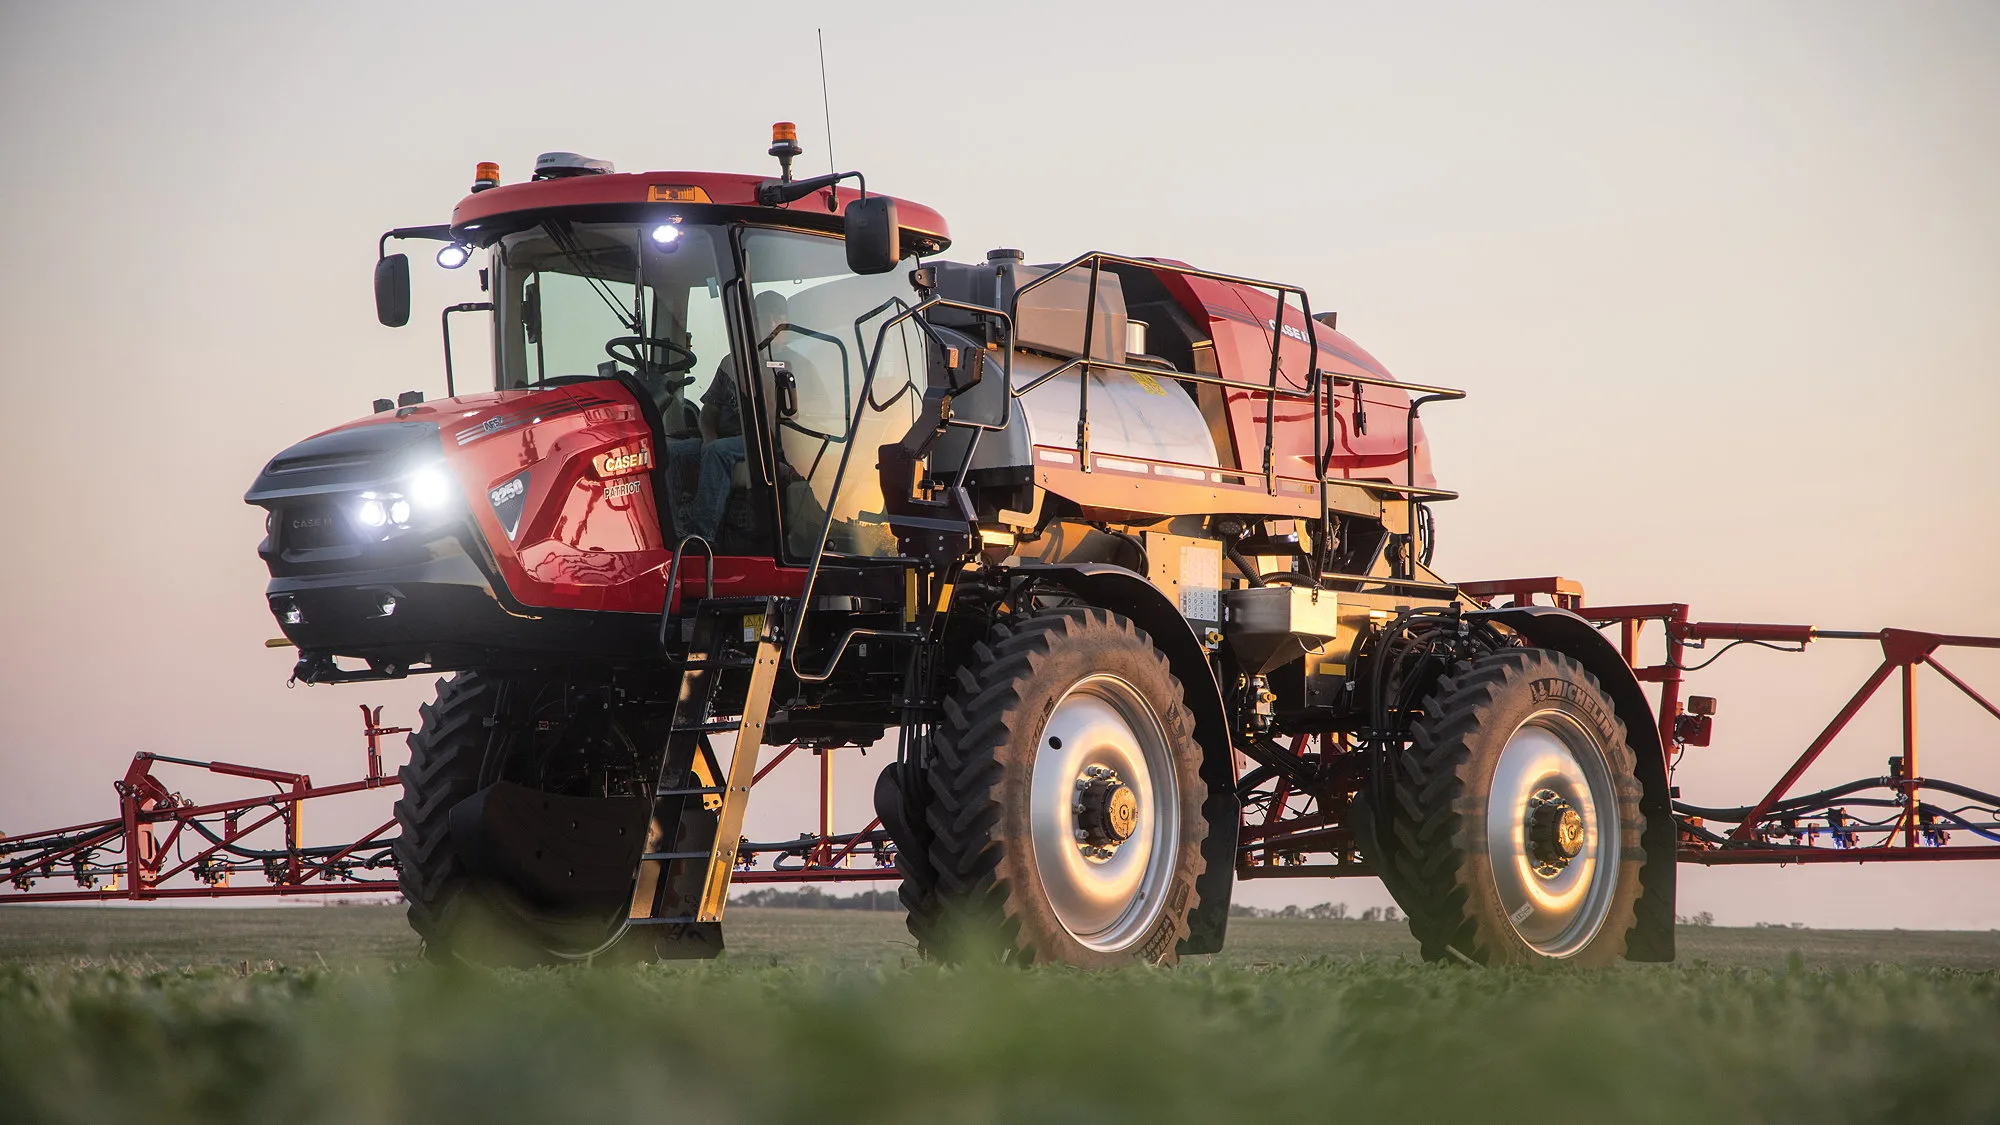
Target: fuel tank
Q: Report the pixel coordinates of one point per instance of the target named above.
(1131, 415)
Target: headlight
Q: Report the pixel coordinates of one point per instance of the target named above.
(384, 510)
(422, 496)
(430, 488)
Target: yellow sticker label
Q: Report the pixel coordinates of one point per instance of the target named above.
(674, 193)
(753, 627)
(1147, 383)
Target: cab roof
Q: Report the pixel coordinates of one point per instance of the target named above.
(669, 190)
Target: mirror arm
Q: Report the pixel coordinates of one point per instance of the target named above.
(440, 232)
(776, 193)
(450, 387)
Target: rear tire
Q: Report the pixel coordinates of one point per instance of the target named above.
(902, 794)
(457, 749)
(1067, 710)
(1512, 833)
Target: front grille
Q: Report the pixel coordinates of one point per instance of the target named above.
(305, 526)
(351, 459)
(319, 461)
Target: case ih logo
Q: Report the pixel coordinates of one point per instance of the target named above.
(625, 459)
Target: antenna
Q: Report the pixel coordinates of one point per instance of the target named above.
(824, 108)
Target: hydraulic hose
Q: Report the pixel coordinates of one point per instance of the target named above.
(317, 851)
(1824, 796)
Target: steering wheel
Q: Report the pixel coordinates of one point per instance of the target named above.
(679, 356)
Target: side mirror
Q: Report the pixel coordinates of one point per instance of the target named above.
(392, 290)
(874, 240)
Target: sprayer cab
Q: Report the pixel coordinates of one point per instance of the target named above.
(673, 357)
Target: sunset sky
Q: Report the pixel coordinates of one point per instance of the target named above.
(1722, 278)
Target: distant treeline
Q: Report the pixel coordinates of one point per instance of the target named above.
(812, 898)
(1318, 912)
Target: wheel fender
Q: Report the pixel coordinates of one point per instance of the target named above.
(1559, 630)
(1126, 592)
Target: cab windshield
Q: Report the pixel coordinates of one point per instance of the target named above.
(583, 301)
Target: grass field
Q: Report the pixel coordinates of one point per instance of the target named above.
(308, 1015)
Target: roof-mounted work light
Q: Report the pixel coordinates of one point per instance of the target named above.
(454, 255)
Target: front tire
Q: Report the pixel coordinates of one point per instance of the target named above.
(1066, 799)
(1512, 832)
(478, 732)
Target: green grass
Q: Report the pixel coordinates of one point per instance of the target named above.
(825, 1016)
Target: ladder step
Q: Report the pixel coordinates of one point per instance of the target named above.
(704, 728)
(685, 920)
(704, 791)
(706, 665)
(662, 857)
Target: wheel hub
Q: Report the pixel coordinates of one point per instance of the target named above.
(1555, 832)
(1106, 810)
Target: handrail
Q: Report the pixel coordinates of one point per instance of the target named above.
(862, 403)
(1096, 259)
(674, 581)
(1339, 380)
(1178, 376)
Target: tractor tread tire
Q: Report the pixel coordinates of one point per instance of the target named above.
(1437, 791)
(978, 905)
(446, 751)
(457, 918)
(906, 785)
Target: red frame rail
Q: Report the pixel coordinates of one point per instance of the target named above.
(135, 851)
(144, 846)
(827, 856)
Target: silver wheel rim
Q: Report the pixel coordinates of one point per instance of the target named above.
(1107, 903)
(1556, 913)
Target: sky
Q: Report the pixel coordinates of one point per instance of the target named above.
(1721, 278)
